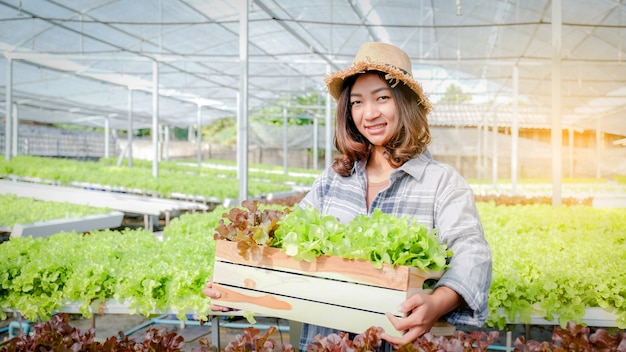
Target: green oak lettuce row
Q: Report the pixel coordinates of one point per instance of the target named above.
(555, 261)
(549, 261)
(171, 180)
(38, 276)
(26, 210)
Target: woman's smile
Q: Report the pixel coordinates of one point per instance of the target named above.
(376, 128)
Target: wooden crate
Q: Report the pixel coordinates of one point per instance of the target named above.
(347, 295)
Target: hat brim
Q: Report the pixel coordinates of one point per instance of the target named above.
(395, 76)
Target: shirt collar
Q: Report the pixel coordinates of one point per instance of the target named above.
(415, 167)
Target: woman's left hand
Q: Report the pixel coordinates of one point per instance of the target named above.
(423, 311)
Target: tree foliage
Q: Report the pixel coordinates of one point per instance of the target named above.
(454, 95)
(301, 110)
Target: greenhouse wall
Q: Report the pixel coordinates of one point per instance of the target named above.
(54, 142)
(466, 149)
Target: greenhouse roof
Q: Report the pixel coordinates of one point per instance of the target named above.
(85, 61)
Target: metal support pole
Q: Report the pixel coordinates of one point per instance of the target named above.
(598, 150)
(329, 131)
(515, 131)
(479, 151)
(107, 133)
(16, 125)
(485, 141)
(285, 149)
(155, 118)
(494, 146)
(242, 116)
(557, 135)
(166, 142)
(7, 110)
(571, 152)
(316, 138)
(129, 147)
(199, 134)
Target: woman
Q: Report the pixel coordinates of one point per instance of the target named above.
(382, 136)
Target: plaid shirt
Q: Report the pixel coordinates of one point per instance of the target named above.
(438, 197)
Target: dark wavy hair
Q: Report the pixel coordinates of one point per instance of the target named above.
(409, 140)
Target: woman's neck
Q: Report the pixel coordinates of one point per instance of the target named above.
(378, 168)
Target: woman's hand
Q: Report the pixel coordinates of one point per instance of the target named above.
(214, 294)
(423, 311)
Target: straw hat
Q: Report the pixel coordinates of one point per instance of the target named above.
(376, 56)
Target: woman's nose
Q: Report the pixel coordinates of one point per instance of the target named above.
(371, 111)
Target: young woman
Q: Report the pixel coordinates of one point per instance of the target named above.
(381, 135)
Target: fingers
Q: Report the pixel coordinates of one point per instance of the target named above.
(210, 292)
(411, 329)
(411, 303)
(218, 308)
(408, 325)
(395, 321)
(399, 341)
(214, 294)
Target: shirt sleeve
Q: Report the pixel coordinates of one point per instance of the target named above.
(459, 227)
(311, 199)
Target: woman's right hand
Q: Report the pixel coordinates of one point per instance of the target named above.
(214, 294)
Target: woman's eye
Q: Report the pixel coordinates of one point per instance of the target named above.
(355, 102)
(384, 97)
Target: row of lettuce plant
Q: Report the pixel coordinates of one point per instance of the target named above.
(66, 172)
(550, 262)
(555, 261)
(217, 179)
(25, 210)
(228, 168)
(40, 275)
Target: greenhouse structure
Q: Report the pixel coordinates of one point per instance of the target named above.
(169, 109)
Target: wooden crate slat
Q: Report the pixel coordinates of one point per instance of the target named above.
(347, 295)
(318, 313)
(399, 277)
(371, 298)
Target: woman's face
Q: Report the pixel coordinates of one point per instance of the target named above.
(373, 108)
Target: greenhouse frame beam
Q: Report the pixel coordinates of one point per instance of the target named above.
(97, 39)
(293, 33)
(60, 63)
